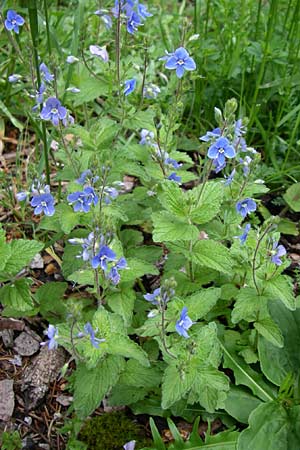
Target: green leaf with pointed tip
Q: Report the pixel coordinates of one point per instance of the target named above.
(170, 228)
(172, 199)
(68, 219)
(91, 385)
(17, 295)
(200, 303)
(136, 268)
(281, 288)
(122, 302)
(212, 254)
(292, 197)
(176, 383)
(209, 204)
(240, 403)
(270, 330)
(22, 252)
(247, 305)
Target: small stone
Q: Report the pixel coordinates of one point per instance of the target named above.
(51, 269)
(7, 338)
(7, 399)
(37, 262)
(27, 344)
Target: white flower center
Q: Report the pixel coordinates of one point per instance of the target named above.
(221, 150)
(54, 110)
(180, 62)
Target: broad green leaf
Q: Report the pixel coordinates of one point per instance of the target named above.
(212, 254)
(70, 263)
(276, 363)
(122, 302)
(209, 388)
(240, 403)
(22, 252)
(91, 385)
(172, 199)
(209, 204)
(281, 288)
(200, 303)
(9, 115)
(149, 253)
(176, 383)
(246, 376)
(136, 269)
(17, 295)
(123, 395)
(247, 305)
(140, 376)
(269, 330)
(226, 440)
(67, 217)
(118, 344)
(5, 253)
(268, 429)
(90, 88)
(292, 197)
(50, 298)
(169, 228)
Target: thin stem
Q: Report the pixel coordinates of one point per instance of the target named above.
(47, 27)
(255, 255)
(144, 74)
(71, 160)
(205, 181)
(118, 45)
(163, 333)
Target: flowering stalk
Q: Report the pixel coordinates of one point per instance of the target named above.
(118, 46)
(255, 255)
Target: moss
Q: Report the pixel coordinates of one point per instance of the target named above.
(111, 431)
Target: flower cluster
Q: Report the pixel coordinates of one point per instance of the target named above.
(106, 256)
(83, 200)
(134, 13)
(276, 253)
(41, 199)
(90, 332)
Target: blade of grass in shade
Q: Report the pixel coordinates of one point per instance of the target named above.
(78, 20)
(47, 27)
(34, 29)
(270, 29)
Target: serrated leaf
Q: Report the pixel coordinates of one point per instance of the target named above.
(292, 197)
(17, 295)
(118, 344)
(247, 305)
(210, 201)
(281, 288)
(136, 269)
(209, 388)
(5, 253)
(68, 219)
(91, 385)
(50, 298)
(122, 302)
(70, 262)
(22, 252)
(123, 395)
(176, 383)
(212, 254)
(200, 303)
(172, 199)
(169, 228)
(269, 330)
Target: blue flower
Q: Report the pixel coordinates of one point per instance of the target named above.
(246, 206)
(99, 51)
(85, 174)
(48, 77)
(181, 61)
(143, 11)
(174, 177)
(43, 203)
(14, 78)
(105, 255)
(83, 200)
(246, 163)
(13, 21)
(129, 86)
(106, 19)
(151, 91)
(173, 163)
(53, 111)
(277, 252)
(114, 275)
(52, 334)
(221, 149)
(146, 137)
(184, 323)
(159, 296)
(110, 193)
(153, 298)
(91, 332)
(133, 22)
(21, 196)
(39, 97)
(244, 236)
(211, 135)
(229, 179)
(129, 445)
(87, 246)
(72, 59)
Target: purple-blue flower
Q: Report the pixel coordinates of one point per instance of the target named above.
(39, 97)
(21, 196)
(146, 137)
(52, 333)
(13, 21)
(159, 296)
(85, 174)
(106, 19)
(91, 332)
(99, 51)
(173, 163)
(211, 135)
(151, 91)
(143, 11)
(246, 206)
(221, 149)
(181, 61)
(133, 22)
(14, 78)
(277, 252)
(43, 203)
(154, 297)
(184, 323)
(110, 193)
(83, 199)
(129, 86)
(48, 77)
(244, 236)
(246, 163)
(229, 179)
(129, 445)
(53, 111)
(87, 246)
(114, 275)
(174, 177)
(104, 256)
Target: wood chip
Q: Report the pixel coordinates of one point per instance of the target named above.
(7, 399)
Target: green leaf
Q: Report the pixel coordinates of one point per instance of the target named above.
(22, 252)
(136, 269)
(5, 253)
(122, 302)
(292, 197)
(123, 395)
(68, 219)
(172, 199)
(268, 429)
(212, 254)
(50, 298)
(169, 228)
(17, 295)
(210, 202)
(91, 385)
(246, 376)
(137, 375)
(200, 303)
(269, 330)
(240, 403)
(176, 383)
(281, 288)
(118, 344)
(70, 263)
(276, 363)
(209, 388)
(247, 305)
(90, 88)
(8, 114)
(226, 440)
